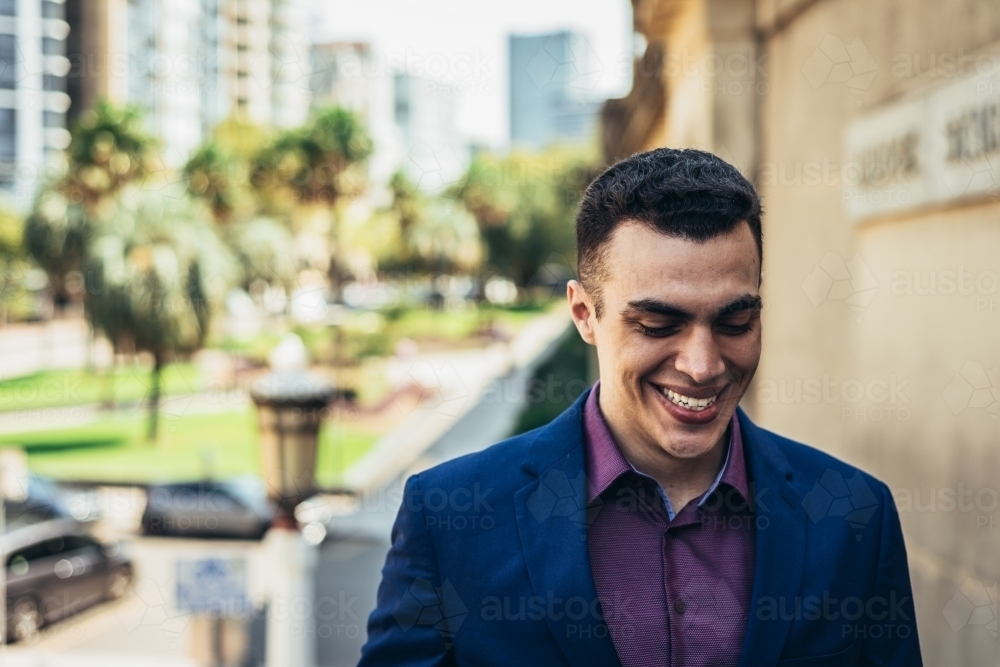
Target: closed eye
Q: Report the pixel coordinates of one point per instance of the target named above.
(735, 329)
(657, 332)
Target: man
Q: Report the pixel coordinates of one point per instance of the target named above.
(652, 523)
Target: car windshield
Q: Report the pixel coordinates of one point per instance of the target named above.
(249, 490)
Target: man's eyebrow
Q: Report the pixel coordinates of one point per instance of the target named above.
(663, 309)
(745, 302)
(654, 307)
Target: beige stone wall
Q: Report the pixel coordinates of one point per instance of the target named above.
(710, 79)
(914, 440)
(885, 383)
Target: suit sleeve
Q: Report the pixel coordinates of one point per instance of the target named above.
(896, 644)
(409, 626)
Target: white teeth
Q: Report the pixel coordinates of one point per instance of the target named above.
(696, 404)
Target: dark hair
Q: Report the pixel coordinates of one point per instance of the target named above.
(686, 193)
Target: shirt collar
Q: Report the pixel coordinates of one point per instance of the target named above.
(605, 462)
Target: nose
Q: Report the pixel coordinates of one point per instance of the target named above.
(699, 357)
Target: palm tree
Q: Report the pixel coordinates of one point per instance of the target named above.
(108, 151)
(210, 177)
(265, 252)
(219, 171)
(525, 205)
(436, 234)
(57, 234)
(316, 165)
(154, 278)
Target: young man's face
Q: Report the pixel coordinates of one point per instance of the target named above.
(679, 336)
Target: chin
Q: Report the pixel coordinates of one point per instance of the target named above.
(686, 446)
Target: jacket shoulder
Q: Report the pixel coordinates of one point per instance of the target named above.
(498, 463)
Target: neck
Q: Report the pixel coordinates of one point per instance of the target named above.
(682, 479)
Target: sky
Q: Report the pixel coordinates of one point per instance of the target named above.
(463, 44)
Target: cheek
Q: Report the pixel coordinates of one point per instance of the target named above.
(742, 355)
(641, 356)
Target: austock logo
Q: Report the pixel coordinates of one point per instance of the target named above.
(552, 65)
(425, 605)
(833, 279)
(973, 387)
(151, 606)
(708, 605)
(440, 385)
(833, 496)
(974, 604)
(559, 496)
(835, 62)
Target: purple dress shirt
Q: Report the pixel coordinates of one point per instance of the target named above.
(674, 588)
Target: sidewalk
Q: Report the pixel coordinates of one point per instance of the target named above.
(459, 381)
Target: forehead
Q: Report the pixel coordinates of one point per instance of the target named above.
(643, 263)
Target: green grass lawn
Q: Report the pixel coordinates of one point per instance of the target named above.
(48, 389)
(189, 448)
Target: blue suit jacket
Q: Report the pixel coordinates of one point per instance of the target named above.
(489, 562)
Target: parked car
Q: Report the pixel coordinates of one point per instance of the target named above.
(56, 568)
(236, 508)
(43, 500)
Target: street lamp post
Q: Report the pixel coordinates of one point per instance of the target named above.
(290, 406)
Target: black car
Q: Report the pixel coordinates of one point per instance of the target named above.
(56, 568)
(236, 508)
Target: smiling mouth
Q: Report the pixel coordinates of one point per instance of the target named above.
(688, 402)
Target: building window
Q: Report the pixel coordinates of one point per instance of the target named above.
(54, 82)
(8, 61)
(401, 91)
(53, 119)
(8, 7)
(52, 10)
(8, 134)
(53, 47)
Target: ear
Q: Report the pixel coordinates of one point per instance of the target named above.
(581, 308)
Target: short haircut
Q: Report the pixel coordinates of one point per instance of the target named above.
(684, 193)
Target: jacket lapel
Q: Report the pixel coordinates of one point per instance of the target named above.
(552, 521)
(780, 550)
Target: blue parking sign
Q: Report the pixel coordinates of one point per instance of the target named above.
(212, 585)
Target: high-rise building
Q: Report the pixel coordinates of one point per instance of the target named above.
(264, 59)
(345, 74)
(424, 112)
(410, 119)
(552, 79)
(33, 99)
(192, 63)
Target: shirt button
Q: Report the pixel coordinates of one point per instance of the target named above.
(679, 606)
